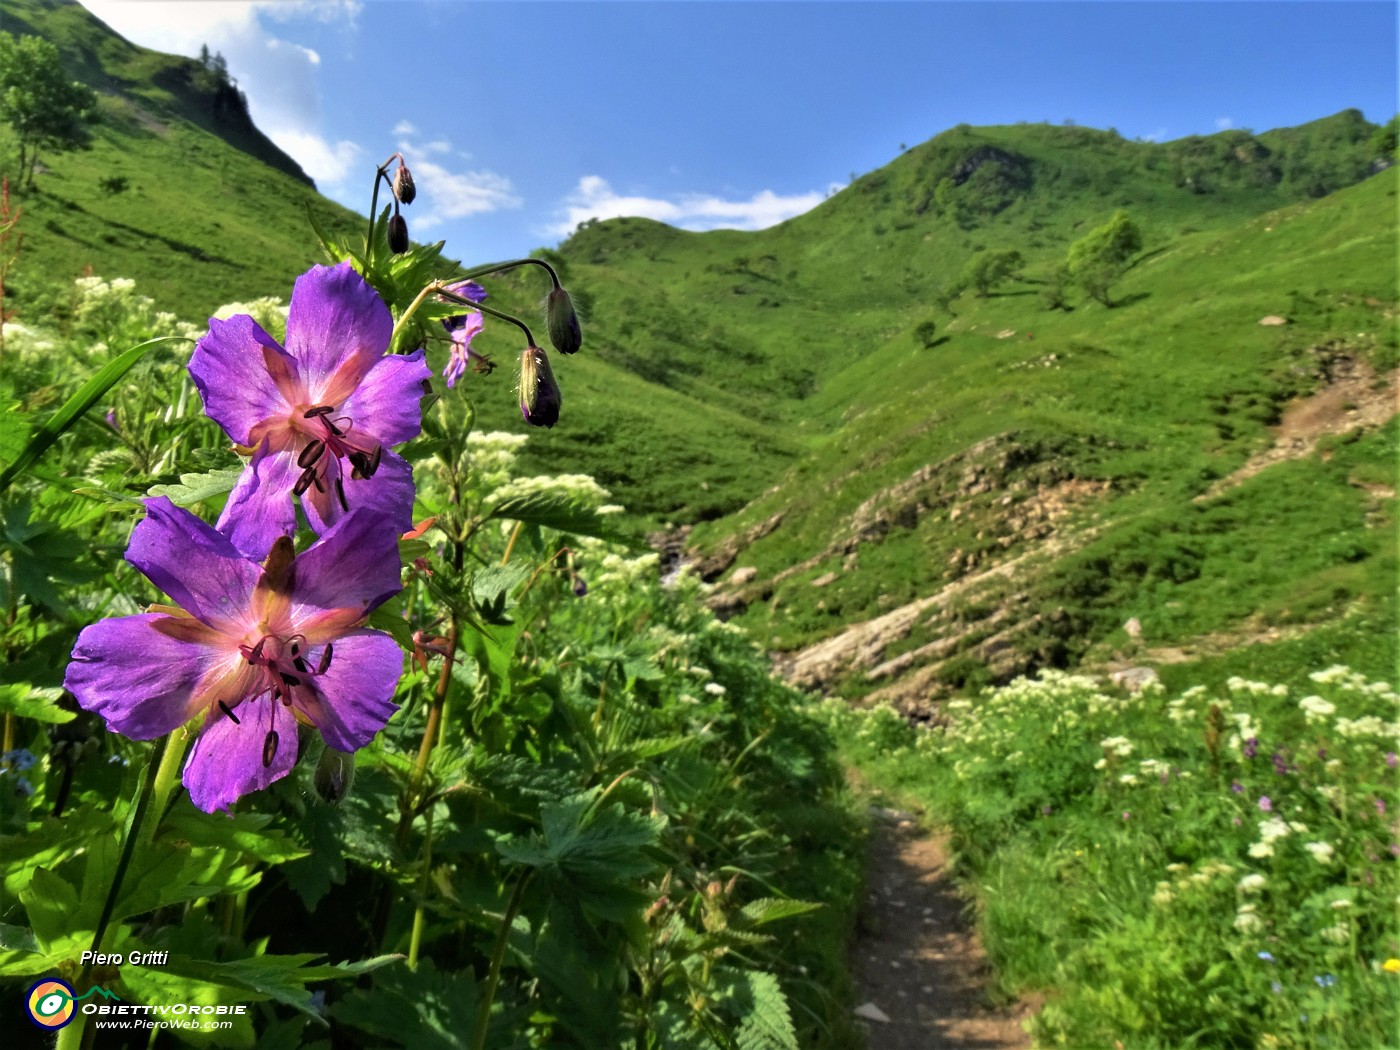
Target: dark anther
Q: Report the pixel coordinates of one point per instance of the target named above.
(307, 479)
(335, 429)
(228, 711)
(276, 693)
(296, 647)
(289, 679)
(255, 654)
(325, 663)
(316, 480)
(299, 664)
(361, 462)
(269, 748)
(374, 461)
(311, 453)
(319, 410)
(340, 495)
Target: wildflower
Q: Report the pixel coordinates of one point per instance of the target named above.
(18, 760)
(564, 331)
(398, 234)
(1276, 987)
(1268, 957)
(317, 415)
(714, 689)
(1391, 759)
(1251, 883)
(1391, 966)
(463, 330)
(1325, 980)
(540, 399)
(1266, 804)
(1251, 747)
(1280, 763)
(1321, 851)
(402, 184)
(1237, 788)
(1315, 708)
(255, 650)
(1127, 815)
(1338, 934)
(1246, 921)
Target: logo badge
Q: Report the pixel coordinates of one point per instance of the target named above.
(50, 1004)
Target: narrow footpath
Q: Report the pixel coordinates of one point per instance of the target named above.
(919, 969)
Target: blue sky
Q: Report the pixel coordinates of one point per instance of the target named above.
(522, 118)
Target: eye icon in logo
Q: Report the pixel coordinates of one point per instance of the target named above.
(50, 1003)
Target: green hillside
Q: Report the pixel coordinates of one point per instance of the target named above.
(179, 191)
(782, 393)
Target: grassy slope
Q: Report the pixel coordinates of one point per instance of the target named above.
(205, 219)
(750, 372)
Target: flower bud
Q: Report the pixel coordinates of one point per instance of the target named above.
(334, 775)
(539, 393)
(564, 331)
(398, 234)
(404, 189)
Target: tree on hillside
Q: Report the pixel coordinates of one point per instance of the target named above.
(987, 269)
(45, 109)
(1102, 256)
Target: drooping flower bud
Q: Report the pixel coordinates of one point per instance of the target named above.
(404, 189)
(564, 331)
(398, 234)
(335, 773)
(539, 393)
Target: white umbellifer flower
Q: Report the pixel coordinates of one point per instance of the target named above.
(1272, 829)
(1337, 934)
(1315, 708)
(1321, 851)
(1246, 921)
(714, 689)
(1163, 893)
(1118, 745)
(1332, 674)
(1251, 883)
(1127, 778)
(1340, 904)
(1260, 850)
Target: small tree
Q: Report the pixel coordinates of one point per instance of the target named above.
(1102, 256)
(987, 269)
(45, 108)
(926, 332)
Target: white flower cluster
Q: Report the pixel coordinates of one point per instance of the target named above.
(576, 488)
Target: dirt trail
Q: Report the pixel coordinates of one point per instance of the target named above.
(916, 960)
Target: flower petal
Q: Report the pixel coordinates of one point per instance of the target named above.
(354, 566)
(197, 566)
(229, 367)
(142, 682)
(259, 508)
(357, 689)
(226, 762)
(337, 328)
(388, 401)
(388, 494)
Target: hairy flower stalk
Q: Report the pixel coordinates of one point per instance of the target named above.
(462, 329)
(318, 415)
(256, 651)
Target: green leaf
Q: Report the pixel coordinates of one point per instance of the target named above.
(587, 846)
(194, 488)
(52, 905)
(73, 409)
(771, 909)
(281, 978)
(560, 512)
(17, 938)
(766, 1023)
(243, 832)
(29, 701)
(423, 1009)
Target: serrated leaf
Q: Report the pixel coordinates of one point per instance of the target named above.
(423, 1009)
(18, 938)
(771, 909)
(40, 704)
(193, 488)
(555, 511)
(281, 978)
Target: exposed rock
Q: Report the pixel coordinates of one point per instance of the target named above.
(871, 1012)
(743, 575)
(711, 566)
(1134, 679)
(1273, 319)
(1134, 628)
(824, 579)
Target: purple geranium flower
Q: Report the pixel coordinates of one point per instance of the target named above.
(317, 414)
(463, 328)
(255, 649)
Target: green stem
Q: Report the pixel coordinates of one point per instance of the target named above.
(70, 1038)
(498, 954)
(440, 288)
(167, 777)
(415, 941)
(490, 268)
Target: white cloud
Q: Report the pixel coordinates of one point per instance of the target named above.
(444, 194)
(1160, 135)
(594, 198)
(1224, 123)
(279, 77)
